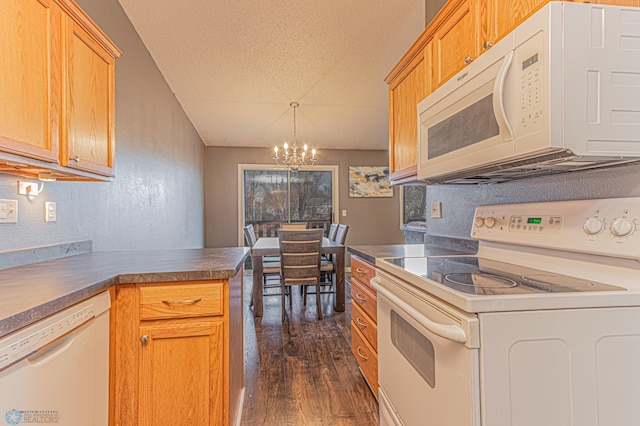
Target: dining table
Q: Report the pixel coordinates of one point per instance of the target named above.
(270, 246)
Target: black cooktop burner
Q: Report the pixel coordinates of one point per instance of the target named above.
(472, 275)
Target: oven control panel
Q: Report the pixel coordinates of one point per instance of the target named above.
(601, 226)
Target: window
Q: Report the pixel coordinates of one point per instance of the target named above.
(414, 203)
(271, 196)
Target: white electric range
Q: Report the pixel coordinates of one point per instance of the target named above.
(541, 326)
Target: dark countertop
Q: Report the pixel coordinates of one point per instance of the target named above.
(33, 292)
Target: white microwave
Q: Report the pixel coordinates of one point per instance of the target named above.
(559, 93)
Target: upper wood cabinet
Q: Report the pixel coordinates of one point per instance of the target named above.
(502, 16)
(57, 91)
(89, 113)
(406, 89)
(456, 41)
(30, 54)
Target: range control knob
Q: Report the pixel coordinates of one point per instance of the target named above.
(622, 227)
(490, 222)
(593, 226)
(478, 222)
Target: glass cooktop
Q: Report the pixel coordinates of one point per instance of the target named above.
(472, 275)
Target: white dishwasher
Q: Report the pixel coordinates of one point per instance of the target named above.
(56, 371)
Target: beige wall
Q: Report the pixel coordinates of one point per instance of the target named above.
(370, 220)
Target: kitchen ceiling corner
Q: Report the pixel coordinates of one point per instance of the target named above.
(236, 65)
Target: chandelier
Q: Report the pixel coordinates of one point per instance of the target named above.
(293, 157)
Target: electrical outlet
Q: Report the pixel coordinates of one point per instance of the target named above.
(49, 211)
(436, 210)
(27, 188)
(8, 211)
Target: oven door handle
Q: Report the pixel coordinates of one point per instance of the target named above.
(450, 332)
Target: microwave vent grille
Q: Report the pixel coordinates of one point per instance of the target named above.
(562, 161)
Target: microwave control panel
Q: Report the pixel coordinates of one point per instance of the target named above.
(528, 64)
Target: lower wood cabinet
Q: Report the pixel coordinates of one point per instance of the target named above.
(364, 331)
(177, 353)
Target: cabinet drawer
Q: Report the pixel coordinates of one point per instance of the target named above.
(181, 300)
(362, 270)
(366, 357)
(364, 297)
(365, 324)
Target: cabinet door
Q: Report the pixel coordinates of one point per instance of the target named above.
(457, 39)
(505, 15)
(404, 95)
(89, 104)
(30, 78)
(181, 374)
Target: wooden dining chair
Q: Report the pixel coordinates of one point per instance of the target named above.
(327, 266)
(333, 229)
(300, 262)
(341, 234)
(294, 226)
(270, 264)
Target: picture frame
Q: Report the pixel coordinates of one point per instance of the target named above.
(369, 182)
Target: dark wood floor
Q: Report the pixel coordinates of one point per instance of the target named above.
(302, 372)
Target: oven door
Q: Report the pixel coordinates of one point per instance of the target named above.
(426, 372)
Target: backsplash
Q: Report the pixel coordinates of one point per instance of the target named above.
(13, 258)
(459, 201)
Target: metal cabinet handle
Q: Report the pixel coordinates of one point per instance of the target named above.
(182, 302)
(468, 60)
(487, 45)
(359, 297)
(75, 158)
(360, 323)
(361, 355)
(361, 271)
(144, 339)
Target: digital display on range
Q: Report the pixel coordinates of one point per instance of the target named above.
(530, 61)
(534, 220)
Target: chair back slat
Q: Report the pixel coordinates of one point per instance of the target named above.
(297, 225)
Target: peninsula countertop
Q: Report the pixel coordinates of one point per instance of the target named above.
(33, 292)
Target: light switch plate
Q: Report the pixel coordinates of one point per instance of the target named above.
(49, 211)
(436, 210)
(8, 211)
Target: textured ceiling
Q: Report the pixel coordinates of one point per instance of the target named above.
(236, 65)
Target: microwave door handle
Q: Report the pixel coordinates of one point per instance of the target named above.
(498, 94)
(450, 332)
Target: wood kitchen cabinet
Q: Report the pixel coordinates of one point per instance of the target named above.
(177, 353)
(456, 41)
(57, 90)
(408, 85)
(364, 330)
(30, 78)
(89, 107)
